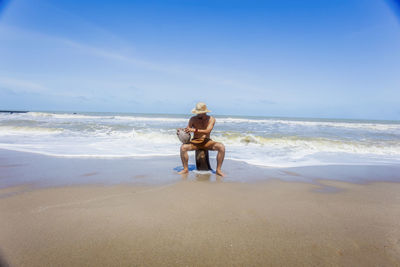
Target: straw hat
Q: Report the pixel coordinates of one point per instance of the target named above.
(200, 108)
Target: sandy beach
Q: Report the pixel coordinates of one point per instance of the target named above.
(105, 106)
(200, 221)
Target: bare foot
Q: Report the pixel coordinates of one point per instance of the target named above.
(220, 173)
(184, 171)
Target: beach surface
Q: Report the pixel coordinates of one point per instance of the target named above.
(195, 220)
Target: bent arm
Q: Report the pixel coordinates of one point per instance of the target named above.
(190, 123)
(189, 126)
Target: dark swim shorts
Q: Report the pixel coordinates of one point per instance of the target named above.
(202, 143)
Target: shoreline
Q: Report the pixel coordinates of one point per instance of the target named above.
(23, 168)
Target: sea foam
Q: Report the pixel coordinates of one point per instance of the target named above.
(270, 142)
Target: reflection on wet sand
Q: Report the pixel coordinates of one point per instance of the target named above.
(202, 176)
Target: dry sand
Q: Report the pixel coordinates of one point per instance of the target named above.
(194, 223)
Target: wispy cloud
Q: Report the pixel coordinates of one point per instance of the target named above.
(183, 70)
(113, 55)
(21, 86)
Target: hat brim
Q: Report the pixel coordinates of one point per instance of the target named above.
(194, 111)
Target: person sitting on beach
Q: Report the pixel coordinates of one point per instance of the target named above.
(201, 125)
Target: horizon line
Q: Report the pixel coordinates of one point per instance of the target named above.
(184, 114)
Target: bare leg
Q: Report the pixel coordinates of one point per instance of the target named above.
(185, 159)
(220, 158)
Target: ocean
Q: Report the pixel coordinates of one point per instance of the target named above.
(262, 141)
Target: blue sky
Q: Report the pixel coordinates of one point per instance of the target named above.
(335, 59)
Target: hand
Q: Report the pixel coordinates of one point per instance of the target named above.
(188, 130)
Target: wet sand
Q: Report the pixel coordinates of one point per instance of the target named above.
(202, 221)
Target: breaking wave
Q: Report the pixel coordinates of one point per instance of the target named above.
(263, 141)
